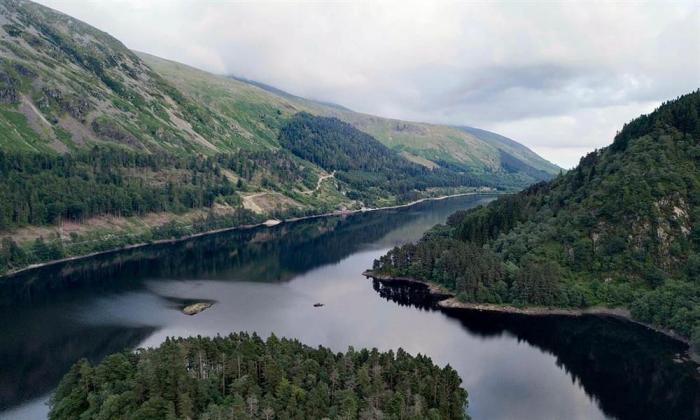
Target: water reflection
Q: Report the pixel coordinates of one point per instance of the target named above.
(630, 371)
(35, 356)
(267, 280)
(260, 254)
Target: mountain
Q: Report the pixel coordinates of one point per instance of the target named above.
(621, 230)
(515, 156)
(476, 152)
(501, 143)
(101, 147)
(65, 85)
(273, 90)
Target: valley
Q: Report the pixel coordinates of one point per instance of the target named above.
(267, 280)
(102, 147)
(192, 228)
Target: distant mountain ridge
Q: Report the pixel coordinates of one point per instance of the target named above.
(476, 152)
(513, 147)
(537, 167)
(67, 85)
(97, 141)
(280, 92)
(501, 142)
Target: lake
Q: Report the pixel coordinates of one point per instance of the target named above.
(267, 280)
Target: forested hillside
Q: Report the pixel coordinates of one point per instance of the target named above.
(621, 229)
(243, 377)
(363, 162)
(101, 147)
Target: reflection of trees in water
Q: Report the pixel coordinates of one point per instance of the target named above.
(261, 254)
(32, 367)
(39, 344)
(627, 368)
(405, 294)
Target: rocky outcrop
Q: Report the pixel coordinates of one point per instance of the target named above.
(196, 308)
(110, 130)
(9, 94)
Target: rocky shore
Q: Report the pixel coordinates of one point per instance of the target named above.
(445, 299)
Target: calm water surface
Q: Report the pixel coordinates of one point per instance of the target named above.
(267, 280)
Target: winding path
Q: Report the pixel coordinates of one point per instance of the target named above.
(318, 183)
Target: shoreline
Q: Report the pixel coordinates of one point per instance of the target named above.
(445, 299)
(269, 223)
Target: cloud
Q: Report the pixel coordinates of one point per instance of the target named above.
(571, 136)
(559, 77)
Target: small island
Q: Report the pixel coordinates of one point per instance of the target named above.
(243, 376)
(196, 308)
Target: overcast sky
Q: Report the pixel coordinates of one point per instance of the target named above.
(560, 78)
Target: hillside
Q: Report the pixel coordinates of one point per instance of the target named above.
(621, 229)
(101, 147)
(261, 109)
(243, 377)
(66, 85)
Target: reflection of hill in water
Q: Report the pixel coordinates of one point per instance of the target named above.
(33, 366)
(261, 254)
(254, 255)
(628, 368)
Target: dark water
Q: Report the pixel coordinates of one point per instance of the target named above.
(267, 280)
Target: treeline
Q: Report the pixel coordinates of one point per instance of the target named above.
(476, 274)
(361, 160)
(40, 189)
(621, 229)
(43, 189)
(682, 113)
(14, 256)
(244, 377)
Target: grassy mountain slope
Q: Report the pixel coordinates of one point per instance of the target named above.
(621, 229)
(102, 147)
(66, 85)
(514, 149)
(432, 145)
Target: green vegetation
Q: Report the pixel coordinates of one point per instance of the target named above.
(360, 160)
(91, 132)
(41, 189)
(243, 377)
(260, 111)
(48, 189)
(621, 229)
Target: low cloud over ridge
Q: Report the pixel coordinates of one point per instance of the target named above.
(560, 78)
